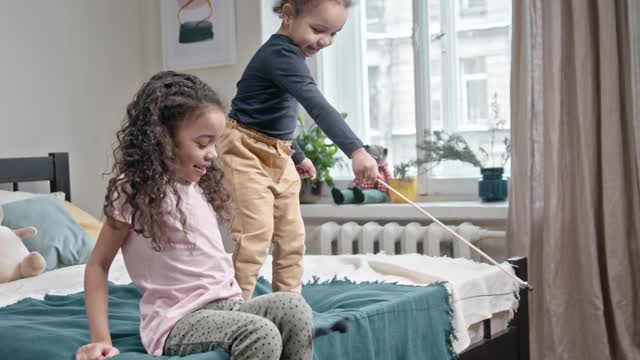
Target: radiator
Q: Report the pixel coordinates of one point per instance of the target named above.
(332, 238)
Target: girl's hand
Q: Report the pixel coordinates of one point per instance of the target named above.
(364, 166)
(96, 351)
(306, 168)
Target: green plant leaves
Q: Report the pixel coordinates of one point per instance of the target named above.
(319, 150)
(440, 146)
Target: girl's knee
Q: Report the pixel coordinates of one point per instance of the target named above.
(269, 339)
(295, 306)
(291, 298)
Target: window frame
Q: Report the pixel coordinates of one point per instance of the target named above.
(332, 69)
(352, 40)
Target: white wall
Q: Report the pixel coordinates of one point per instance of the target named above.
(69, 68)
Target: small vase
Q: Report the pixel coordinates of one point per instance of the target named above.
(407, 188)
(492, 187)
(310, 192)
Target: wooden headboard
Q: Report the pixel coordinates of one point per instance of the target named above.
(53, 168)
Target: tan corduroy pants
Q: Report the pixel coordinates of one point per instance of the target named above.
(264, 186)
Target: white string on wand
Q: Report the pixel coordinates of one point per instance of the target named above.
(457, 236)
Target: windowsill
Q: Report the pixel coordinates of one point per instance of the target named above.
(442, 210)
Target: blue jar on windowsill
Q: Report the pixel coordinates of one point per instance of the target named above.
(492, 187)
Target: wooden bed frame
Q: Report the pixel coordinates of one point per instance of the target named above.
(53, 168)
(511, 343)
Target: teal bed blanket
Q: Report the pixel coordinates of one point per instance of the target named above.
(387, 322)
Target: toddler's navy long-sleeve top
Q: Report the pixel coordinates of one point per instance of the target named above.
(275, 79)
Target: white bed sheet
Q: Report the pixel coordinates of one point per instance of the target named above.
(465, 279)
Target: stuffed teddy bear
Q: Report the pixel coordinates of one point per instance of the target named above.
(363, 191)
(15, 260)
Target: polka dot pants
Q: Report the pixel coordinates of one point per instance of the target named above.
(273, 326)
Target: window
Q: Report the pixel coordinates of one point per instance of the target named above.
(402, 66)
(374, 97)
(472, 7)
(389, 50)
(474, 93)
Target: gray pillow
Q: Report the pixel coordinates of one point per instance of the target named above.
(60, 240)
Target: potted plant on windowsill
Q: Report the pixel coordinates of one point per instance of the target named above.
(439, 145)
(323, 155)
(403, 183)
(493, 186)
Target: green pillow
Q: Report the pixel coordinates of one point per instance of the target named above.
(60, 240)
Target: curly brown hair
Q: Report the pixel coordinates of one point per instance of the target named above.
(144, 172)
(299, 6)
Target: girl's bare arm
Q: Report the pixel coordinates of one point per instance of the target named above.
(109, 241)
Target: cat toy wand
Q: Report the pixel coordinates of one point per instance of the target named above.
(457, 236)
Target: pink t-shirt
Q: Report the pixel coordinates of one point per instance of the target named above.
(179, 280)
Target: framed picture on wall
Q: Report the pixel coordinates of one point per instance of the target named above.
(198, 33)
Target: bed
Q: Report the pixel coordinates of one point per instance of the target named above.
(374, 290)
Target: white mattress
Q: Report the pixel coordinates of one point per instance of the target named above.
(465, 277)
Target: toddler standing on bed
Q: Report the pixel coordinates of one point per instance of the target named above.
(162, 208)
(257, 151)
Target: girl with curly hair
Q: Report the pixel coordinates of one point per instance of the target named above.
(258, 151)
(162, 209)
